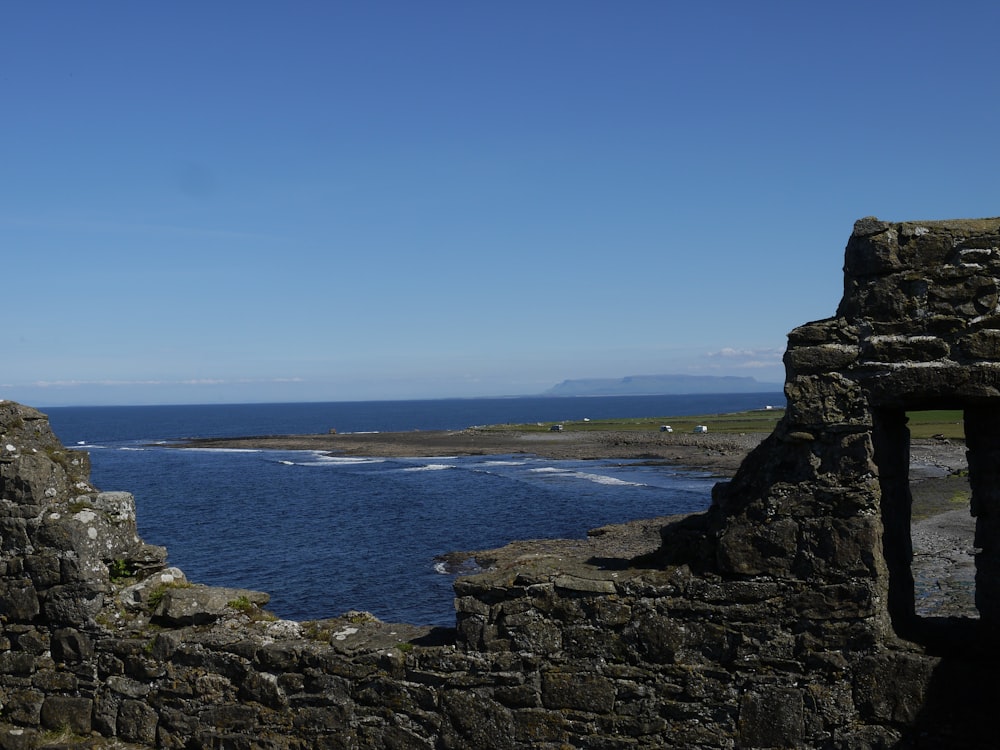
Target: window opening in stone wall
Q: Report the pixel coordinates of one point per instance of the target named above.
(942, 526)
(930, 538)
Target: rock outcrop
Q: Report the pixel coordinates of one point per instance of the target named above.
(781, 618)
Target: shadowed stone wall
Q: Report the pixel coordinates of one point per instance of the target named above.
(782, 617)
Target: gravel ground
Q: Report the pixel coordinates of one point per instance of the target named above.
(943, 529)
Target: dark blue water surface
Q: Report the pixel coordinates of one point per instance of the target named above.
(324, 535)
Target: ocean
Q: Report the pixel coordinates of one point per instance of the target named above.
(324, 535)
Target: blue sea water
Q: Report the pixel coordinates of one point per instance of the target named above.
(324, 534)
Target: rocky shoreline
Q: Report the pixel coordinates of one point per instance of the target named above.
(942, 532)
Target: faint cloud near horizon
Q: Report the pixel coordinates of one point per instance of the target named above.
(765, 357)
(767, 361)
(730, 352)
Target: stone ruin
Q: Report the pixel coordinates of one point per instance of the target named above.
(783, 617)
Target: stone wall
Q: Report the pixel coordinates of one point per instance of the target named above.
(782, 617)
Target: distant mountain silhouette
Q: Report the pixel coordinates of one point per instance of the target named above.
(657, 385)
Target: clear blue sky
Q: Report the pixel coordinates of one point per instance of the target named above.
(260, 201)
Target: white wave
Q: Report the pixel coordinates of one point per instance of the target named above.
(504, 463)
(324, 460)
(596, 478)
(348, 460)
(430, 467)
(440, 567)
(222, 450)
(604, 479)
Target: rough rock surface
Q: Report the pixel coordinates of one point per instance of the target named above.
(785, 616)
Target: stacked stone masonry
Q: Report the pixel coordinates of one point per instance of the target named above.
(783, 617)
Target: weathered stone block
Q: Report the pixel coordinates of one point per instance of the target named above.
(533, 634)
(19, 603)
(809, 360)
(24, 706)
(471, 605)
(392, 738)
(326, 718)
(137, 722)
(655, 637)
(18, 738)
(873, 249)
(477, 721)
(43, 569)
(609, 611)
(14, 538)
(279, 657)
(67, 712)
(17, 663)
(923, 245)
(130, 688)
(73, 604)
(772, 717)
(905, 348)
(70, 645)
(894, 304)
(55, 681)
(984, 344)
(836, 547)
(828, 331)
(849, 458)
(241, 718)
(118, 506)
(759, 549)
(968, 296)
(581, 691)
(821, 402)
(537, 726)
(891, 687)
(198, 605)
(846, 601)
(262, 687)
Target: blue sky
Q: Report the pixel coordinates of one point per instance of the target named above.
(257, 201)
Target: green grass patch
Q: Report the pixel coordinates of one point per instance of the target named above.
(922, 424)
(119, 570)
(241, 604)
(757, 420)
(945, 423)
(244, 606)
(960, 498)
(934, 496)
(160, 591)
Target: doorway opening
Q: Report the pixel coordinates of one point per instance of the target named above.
(939, 471)
(942, 526)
